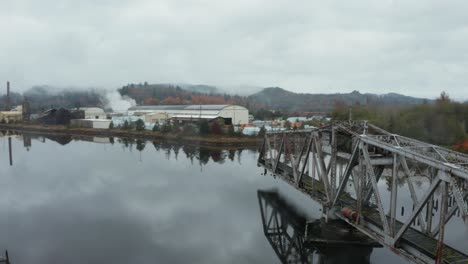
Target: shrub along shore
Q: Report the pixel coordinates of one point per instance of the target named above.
(235, 139)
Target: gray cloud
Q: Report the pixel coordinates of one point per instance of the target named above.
(411, 47)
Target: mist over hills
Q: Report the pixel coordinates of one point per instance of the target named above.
(272, 98)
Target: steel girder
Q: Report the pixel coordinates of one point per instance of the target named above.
(308, 159)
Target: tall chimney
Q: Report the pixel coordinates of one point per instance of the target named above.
(7, 103)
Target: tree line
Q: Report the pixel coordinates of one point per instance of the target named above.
(444, 122)
(215, 127)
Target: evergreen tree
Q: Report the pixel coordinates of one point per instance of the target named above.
(126, 125)
(139, 125)
(166, 128)
(156, 127)
(204, 127)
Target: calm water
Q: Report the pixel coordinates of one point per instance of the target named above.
(78, 201)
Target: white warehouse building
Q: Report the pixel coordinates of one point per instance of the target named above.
(232, 114)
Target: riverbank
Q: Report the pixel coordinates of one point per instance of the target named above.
(207, 140)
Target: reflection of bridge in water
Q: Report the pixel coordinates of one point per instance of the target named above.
(295, 239)
(340, 166)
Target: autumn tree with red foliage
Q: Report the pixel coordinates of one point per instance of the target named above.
(151, 101)
(216, 128)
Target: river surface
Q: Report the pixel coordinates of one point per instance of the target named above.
(94, 201)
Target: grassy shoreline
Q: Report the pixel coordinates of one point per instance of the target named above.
(207, 140)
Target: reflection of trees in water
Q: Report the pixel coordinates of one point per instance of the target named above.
(192, 152)
(203, 155)
(126, 143)
(232, 154)
(200, 153)
(140, 145)
(218, 156)
(156, 145)
(239, 152)
(176, 149)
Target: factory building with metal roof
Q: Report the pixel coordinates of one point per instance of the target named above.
(232, 114)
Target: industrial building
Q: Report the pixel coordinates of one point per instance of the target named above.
(12, 116)
(91, 123)
(232, 114)
(93, 112)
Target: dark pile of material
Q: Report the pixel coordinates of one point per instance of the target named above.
(60, 116)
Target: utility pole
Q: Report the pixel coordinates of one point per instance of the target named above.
(350, 115)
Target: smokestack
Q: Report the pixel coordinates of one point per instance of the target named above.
(7, 103)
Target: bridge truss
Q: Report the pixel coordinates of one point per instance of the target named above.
(341, 165)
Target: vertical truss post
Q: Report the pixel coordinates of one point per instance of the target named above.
(332, 163)
(323, 171)
(268, 144)
(278, 156)
(430, 205)
(314, 163)
(262, 150)
(443, 212)
(358, 182)
(393, 195)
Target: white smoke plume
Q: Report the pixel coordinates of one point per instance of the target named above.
(117, 102)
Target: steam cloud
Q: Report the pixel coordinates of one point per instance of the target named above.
(117, 102)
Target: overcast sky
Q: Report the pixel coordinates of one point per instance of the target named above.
(410, 47)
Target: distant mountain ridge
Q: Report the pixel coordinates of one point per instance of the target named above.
(280, 99)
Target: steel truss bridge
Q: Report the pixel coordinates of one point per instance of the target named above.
(340, 166)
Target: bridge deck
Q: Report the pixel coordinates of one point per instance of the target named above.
(425, 244)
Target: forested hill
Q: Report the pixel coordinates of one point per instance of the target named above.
(280, 99)
(268, 98)
(167, 94)
(41, 98)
